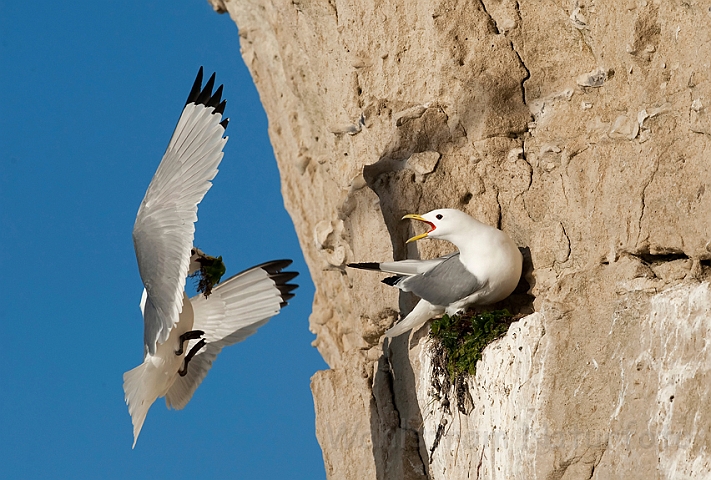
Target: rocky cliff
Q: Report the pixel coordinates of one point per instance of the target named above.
(582, 129)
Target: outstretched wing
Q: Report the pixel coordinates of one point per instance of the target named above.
(235, 310)
(164, 228)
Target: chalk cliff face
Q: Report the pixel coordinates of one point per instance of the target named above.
(583, 130)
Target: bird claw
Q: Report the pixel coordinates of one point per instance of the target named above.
(196, 348)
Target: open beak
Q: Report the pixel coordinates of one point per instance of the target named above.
(414, 216)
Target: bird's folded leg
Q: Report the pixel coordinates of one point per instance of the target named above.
(184, 371)
(191, 335)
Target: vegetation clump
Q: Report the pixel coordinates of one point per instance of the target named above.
(463, 337)
(211, 271)
(457, 344)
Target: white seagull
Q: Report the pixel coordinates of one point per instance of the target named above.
(182, 336)
(485, 270)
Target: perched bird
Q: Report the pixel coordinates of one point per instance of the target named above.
(485, 270)
(182, 336)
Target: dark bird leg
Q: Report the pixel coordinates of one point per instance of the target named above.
(184, 371)
(191, 335)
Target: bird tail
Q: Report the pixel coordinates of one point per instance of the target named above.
(419, 315)
(138, 397)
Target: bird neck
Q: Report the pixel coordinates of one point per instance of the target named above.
(474, 242)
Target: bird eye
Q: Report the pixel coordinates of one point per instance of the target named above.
(438, 216)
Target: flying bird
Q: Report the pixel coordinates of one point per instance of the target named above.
(485, 270)
(182, 336)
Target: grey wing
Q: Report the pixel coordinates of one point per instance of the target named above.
(164, 229)
(412, 266)
(235, 310)
(443, 285)
(402, 267)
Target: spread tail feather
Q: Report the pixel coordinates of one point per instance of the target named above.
(138, 398)
(419, 315)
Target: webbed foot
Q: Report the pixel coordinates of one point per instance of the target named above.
(196, 348)
(191, 335)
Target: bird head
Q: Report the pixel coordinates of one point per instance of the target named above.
(445, 223)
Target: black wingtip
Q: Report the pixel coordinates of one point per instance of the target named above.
(195, 91)
(216, 98)
(220, 108)
(365, 265)
(274, 266)
(287, 296)
(392, 281)
(285, 293)
(274, 271)
(200, 95)
(206, 94)
(286, 289)
(282, 277)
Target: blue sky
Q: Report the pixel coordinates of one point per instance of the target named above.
(91, 94)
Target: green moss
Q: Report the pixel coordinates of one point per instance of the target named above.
(462, 338)
(211, 271)
(456, 346)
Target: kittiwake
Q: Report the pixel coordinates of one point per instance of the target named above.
(485, 270)
(182, 336)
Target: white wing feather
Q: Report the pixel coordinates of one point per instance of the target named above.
(164, 229)
(234, 311)
(412, 266)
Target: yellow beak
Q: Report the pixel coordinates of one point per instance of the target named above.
(414, 216)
